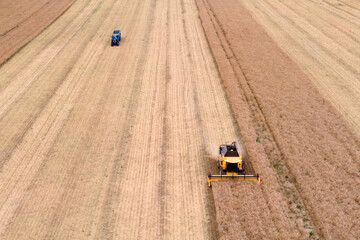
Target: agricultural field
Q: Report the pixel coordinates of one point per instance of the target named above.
(305, 149)
(21, 21)
(101, 142)
(323, 38)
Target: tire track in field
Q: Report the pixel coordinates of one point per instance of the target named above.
(351, 4)
(194, 122)
(50, 36)
(44, 128)
(70, 180)
(138, 186)
(329, 135)
(90, 167)
(165, 132)
(331, 27)
(303, 28)
(79, 170)
(340, 7)
(205, 162)
(11, 93)
(25, 19)
(333, 50)
(263, 132)
(20, 40)
(12, 134)
(263, 129)
(109, 195)
(11, 12)
(113, 193)
(339, 13)
(223, 132)
(337, 29)
(344, 98)
(297, 32)
(70, 184)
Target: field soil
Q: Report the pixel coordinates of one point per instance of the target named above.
(21, 21)
(305, 150)
(101, 142)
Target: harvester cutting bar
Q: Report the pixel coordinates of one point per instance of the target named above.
(235, 177)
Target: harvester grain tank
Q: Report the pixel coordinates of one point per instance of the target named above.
(231, 165)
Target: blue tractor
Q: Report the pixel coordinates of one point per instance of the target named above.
(116, 38)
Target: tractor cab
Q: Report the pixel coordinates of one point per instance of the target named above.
(116, 38)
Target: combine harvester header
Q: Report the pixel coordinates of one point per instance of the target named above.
(231, 165)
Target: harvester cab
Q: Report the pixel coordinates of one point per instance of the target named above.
(230, 160)
(231, 165)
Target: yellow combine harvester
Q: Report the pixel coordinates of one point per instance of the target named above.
(231, 165)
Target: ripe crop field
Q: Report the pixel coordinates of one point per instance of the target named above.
(101, 142)
(305, 149)
(323, 37)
